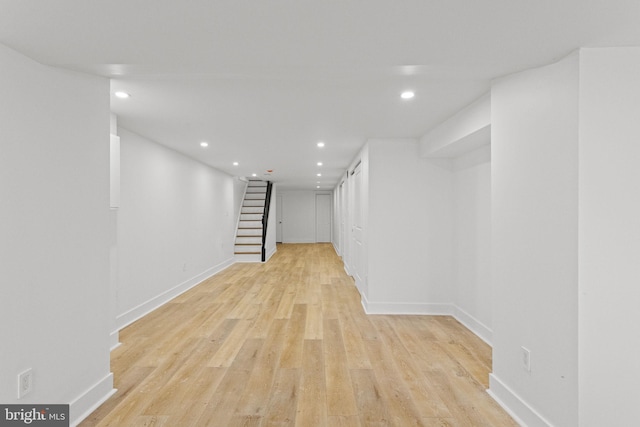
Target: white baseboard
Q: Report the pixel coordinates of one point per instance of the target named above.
(114, 340)
(249, 258)
(89, 401)
(521, 412)
(346, 269)
(437, 309)
(271, 252)
(474, 325)
(145, 308)
(335, 248)
(405, 308)
(296, 240)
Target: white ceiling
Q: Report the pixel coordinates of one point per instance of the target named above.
(264, 81)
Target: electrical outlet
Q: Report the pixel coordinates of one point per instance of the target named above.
(526, 359)
(25, 383)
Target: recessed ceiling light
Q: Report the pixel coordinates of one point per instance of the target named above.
(235, 163)
(122, 95)
(320, 144)
(319, 163)
(317, 186)
(204, 144)
(254, 174)
(319, 174)
(407, 95)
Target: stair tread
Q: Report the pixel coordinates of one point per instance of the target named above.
(253, 205)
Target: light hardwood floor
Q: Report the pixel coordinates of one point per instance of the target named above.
(287, 343)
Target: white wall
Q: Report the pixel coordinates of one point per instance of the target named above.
(176, 224)
(270, 242)
(465, 131)
(472, 240)
(114, 187)
(299, 215)
(54, 234)
(337, 218)
(409, 234)
(357, 214)
(465, 140)
(534, 241)
(340, 216)
(555, 202)
(609, 236)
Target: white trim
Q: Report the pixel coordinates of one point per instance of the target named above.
(147, 307)
(406, 308)
(474, 325)
(436, 309)
(521, 412)
(241, 258)
(335, 248)
(300, 241)
(463, 132)
(271, 252)
(346, 267)
(114, 340)
(90, 400)
(346, 270)
(359, 286)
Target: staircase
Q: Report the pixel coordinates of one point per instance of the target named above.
(248, 247)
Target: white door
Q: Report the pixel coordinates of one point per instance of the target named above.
(340, 208)
(343, 219)
(357, 230)
(323, 218)
(278, 219)
(345, 235)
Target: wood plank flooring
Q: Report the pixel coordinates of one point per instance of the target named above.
(287, 343)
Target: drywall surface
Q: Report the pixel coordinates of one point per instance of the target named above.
(299, 215)
(176, 224)
(609, 236)
(54, 234)
(534, 149)
(465, 131)
(409, 235)
(472, 240)
(270, 243)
